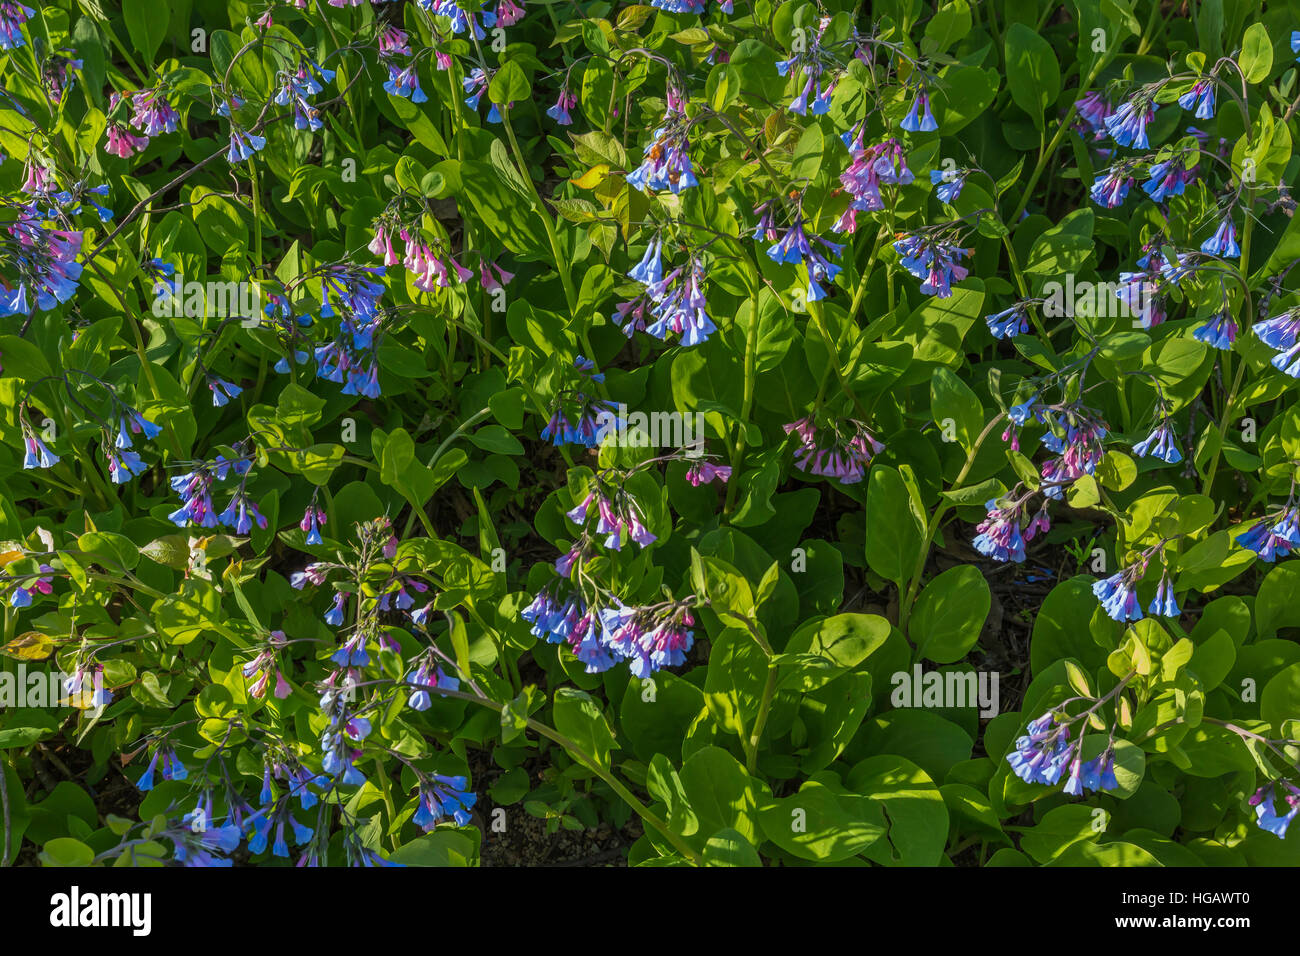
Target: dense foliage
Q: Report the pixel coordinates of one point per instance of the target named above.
(774, 433)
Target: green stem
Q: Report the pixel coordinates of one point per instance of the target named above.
(1061, 130)
(747, 401)
(587, 760)
(760, 722)
(1229, 405)
(932, 527)
(1023, 286)
(833, 357)
(386, 787)
(418, 513)
(257, 216)
(539, 205)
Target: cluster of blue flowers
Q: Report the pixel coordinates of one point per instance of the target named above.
(648, 638)
(1043, 754)
(195, 488)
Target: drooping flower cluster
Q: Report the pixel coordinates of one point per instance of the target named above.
(12, 17)
(1007, 527)
(441, 796)
(1282, 334)
(1118, 593)
(403, 75)
(667, 159)
(1275, 535)
(919, 119)
(172, 768)
(648, 638)
(266, 665)
(814, 62)
(1043, 754)
(1128, 124)
(1160, 444)
(560, 615)
(1074, 433)
(933, 256)
(884, 163)
(796, 247)
(45, 259)
(619, 516)
(671, 304)
(20, 594)
(431, 262)
(1265, 801)
(195, 488)
(298, 87)
(578, 418)
(843, 450)
(350, 293)
(467, 16)
(1010, 322)
(1169, 177)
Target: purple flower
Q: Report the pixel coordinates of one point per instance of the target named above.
(222, 391)
(463, 16)
(1128, 124)
(1169, 178)
(679, 305)
(560, 111)
(883, 163)
(1118, 596)
(1200, 98)
(1111, 187)
(1224, 241)
(1273, 537)
(312, 521)
(1266, 815)
(1009, 322)
(1163, 604)
(243, 145)
(843, 451)
(925, 123)
(38, 455)
(334, 616)
(1282, 334)
(933, 260)
(703, 472)
(429, 674)
(949, 184)
(403, 82)
(1160, 444)
(1219, 332)
(667, 161)
(1042, 753)
(45, 260)
(649, 639)
(796, 247)
(1092, 110)
(649, 270)
(241, 514)
(12, 17)
(568, 620)
(441, 796)
(998, 535)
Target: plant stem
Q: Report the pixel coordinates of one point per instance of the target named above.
(747, 401)
(932, 528)
(645, 813)
(386, 789)
(1229, 404)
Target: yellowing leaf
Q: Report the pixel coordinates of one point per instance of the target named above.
(592, 177)
(32, 646)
